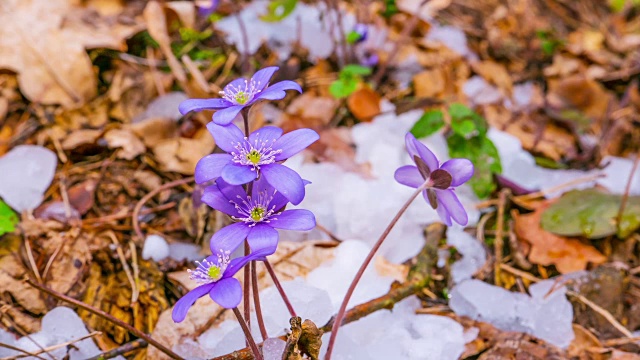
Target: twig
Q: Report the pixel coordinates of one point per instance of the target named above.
(499, 238)
(276, 282)
(607, 315)
(51, 348)
(621, 341)
(136, 210)
(105, 316)
(128, 347)
(32, 261)
(11, 347)
(127, 214)
(625, 196)
(328, 232)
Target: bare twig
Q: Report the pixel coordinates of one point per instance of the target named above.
(105, 316)
(607, 315)
(134, 345)
(499, 242)
(51, 348)
(625, 196)
(136, 210)
(11, 347)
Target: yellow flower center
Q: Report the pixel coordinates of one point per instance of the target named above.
(254, 156)
(242, 97)
(214, 272)
(257, 213)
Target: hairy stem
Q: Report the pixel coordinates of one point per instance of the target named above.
(256, 301)
(343, 307)
(247, 333)
(280, 289)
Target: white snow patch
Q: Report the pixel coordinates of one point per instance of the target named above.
(543, 314)
(155, 247)
(181, 251)
(27, 172)
(472, 251)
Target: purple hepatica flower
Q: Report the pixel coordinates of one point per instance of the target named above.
(258, 216)
(260, 153)
(442, 179)
(215, 273)
(208, 9)
(362, 30)
(239, 94)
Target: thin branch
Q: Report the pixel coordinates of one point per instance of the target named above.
(51, 348)
(105, 316)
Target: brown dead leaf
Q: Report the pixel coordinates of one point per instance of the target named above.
(11, 274)
(80, 137)
(579, 93)
(308, 110)
(72, 256)
(429, 83)
(582, 342)
(45, 41)
(129, 144)
(156, 24)
(364, 104)
(494, 73)
(154, 131)
(567, 254)
(182, 154)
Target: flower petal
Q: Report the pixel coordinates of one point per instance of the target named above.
(263, 237)
(210, 167)
(227, 293)
(236, 264)
(183, 305)
(293, 142)
(277, 90)
(229, 238)
(202, 104)
(216, 199)
(416, 148)
(285, 180)
(226, 116)
(449, 200)
(261, 185)
(237, 174)
(297, 219)
(409, 175)
(262, 76)
(226, 137)
(232, 87)
(235, 193)
(267, 134)
(461, 170)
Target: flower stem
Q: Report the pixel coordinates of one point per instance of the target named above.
(247, 334)
(343, 307)
(247, 288)
(256, 301)
(279, 287)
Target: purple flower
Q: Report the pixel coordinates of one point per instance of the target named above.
(442, 179)
(259, 154)
(362, 31)
(258, 216)
(239, 94)
(208, 9)
(215, 273)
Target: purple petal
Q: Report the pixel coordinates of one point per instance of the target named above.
(210, 167)
(285, 180)
(416, 148)
(297, 219)
(293, 142)
(461, 170)
(449, 200)
(277, 90)
(226, 116)
(216, 199)
(234, 193)
(239, 83)
(181, 307)
(202, 104)
(409, 175)
(238, 174)
(227, 293)
(236, 264)
(229, 237)
(267, 134)
(262, 76)
(261, 185)
(226, 137)
(263, 237)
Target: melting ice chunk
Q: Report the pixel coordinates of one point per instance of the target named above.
(27, 172)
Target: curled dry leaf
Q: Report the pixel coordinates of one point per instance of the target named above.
(364, 104)
(129, 144)
(45, 41)
(182, 154)
(567, 254)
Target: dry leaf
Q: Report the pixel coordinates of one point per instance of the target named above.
(494, 73)
(308, 110)
(182, 154)
(129, 144)
(156, 24)
(45, 41)
(429, 83)
(567, 254)
(72, 256)
(364, 104)
(80, 137)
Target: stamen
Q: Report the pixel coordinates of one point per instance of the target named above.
(260, 152)
(241, 95)
(256, 210)
(208, 271)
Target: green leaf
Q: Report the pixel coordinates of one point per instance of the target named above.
(484, 156)
(390, 8)
(465, 127)
(355, 70)
(342, 88)
(466, 122)
(8, 219)
(352, 37)
(277, 10)
(591, 213)
(430, 122)
(191, 35)
(617, 5)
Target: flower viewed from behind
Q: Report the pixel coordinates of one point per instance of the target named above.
(258, 215)
(442, 180)
(215, 273)
(259, 154)
(241, 93)
(208, 7)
